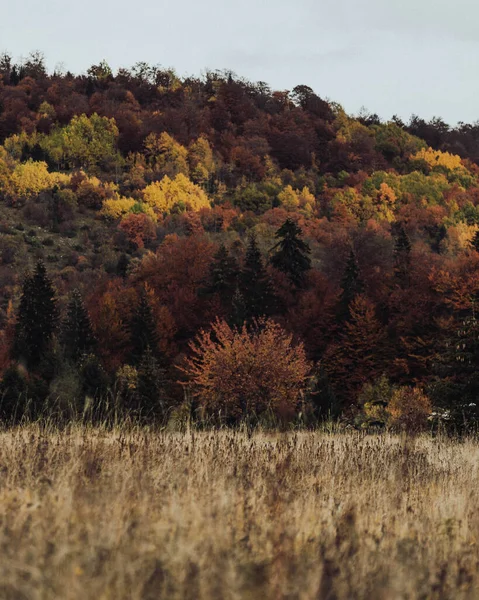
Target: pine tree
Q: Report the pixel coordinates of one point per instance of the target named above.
(291, 253)
(359, 355)
(255, 283)
(143, 332)
(77, 333)
(456, 387)
(402, 256)
(37, 318)
(223, 276)
(238, 310)
(351, 285)
(475, 241)
(122, 265)
(323, 400)
(151, 386)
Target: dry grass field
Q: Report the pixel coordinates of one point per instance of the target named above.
(92, 514)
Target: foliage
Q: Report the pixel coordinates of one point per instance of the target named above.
(409, 408)
(241, 372)
(255, 284)
(121, 179)
(291, 253)
(178, 194)
(139, 229)
(76, 331)
(85, 142)
(36, 319)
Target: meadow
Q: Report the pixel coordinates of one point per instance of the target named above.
(91, 513)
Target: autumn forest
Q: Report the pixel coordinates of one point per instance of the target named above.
(209, 250)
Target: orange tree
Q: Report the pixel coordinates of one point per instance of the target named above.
(247, 372)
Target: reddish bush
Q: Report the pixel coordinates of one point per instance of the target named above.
(247, 372)
(139, 229)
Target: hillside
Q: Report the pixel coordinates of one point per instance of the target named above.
(156, 205)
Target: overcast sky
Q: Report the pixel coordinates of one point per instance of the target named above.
(390, 56)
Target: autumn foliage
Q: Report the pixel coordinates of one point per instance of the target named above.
(247, 372)
(177, 205)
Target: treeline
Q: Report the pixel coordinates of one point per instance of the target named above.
(210, 248)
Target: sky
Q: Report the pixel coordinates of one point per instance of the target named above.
(392, 57)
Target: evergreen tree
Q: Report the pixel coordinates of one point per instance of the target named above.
(291, 253)
(77, 333)
(402, 256)
(93, 378)
(122, 265)
(360, 352)
(456, 386)
(37, 318)
(351, 285)
(143, 332)
(238, 310)
(255, 283)
(223, 276)
(151, 386)
(323, 400)
(475, 241)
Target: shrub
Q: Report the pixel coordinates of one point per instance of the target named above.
(409, 408)
(243, 372)
(139, 229)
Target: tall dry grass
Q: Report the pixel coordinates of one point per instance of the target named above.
(87, 513)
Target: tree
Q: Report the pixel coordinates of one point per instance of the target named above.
(100, 72)
(351, 285)
(244, 373)
(255, 284)
(85, 142)
(358, 355)
(201, 161)
(143, 335)
(175, 195)
(223, 276)
(237, 316)
(456, 386)
(151, 386)
(475, 242)
(138, 228)
(77, 333)
(166, 156)
(291, 254)
(37, 317)
(402, 256)
(322, 398)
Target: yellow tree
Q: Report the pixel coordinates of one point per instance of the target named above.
(288, 198)
(200, 160)
(178, 194)
(165, 155)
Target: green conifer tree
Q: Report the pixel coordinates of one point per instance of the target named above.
(255, 284)
(223, 276)
(475, 241)
(351, 285)
(143, 332)
(291, 253)
(151, 386)
(77, 333)
(238, 310)
(37, 318)
(402, 256)
(456, 385)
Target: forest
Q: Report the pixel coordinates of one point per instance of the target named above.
(208, 249)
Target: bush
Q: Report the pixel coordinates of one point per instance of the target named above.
(409, 408)
(248, 372)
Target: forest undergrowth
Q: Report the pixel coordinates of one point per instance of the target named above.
(142, 514)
